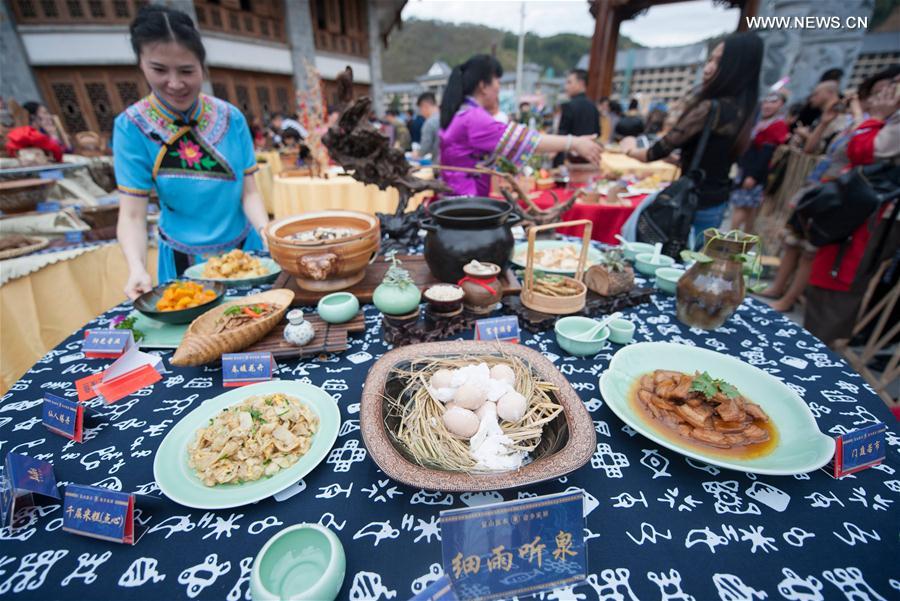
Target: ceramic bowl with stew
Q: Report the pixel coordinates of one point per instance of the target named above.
(325, 251)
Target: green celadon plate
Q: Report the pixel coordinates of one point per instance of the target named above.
(156, 333)
(520, 253)
(800, 448)
(179, 482)
(195, 272)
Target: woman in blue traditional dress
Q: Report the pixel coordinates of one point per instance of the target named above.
(196, 151)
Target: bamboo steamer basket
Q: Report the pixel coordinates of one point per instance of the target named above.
(202, 345)
(557, 305)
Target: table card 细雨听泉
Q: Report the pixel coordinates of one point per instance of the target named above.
(22, 477)
(504, 329)
(99, 513)
(63, 416)
(519, 547)
(240, 369)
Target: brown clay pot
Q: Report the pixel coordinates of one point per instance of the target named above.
(483, 291)
(330, 265)
(709, 293)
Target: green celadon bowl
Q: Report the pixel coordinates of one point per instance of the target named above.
(305, 562)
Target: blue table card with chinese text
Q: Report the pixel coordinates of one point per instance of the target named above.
(520, 547)
(22, 477)
(74, 237)
(51, 174)
(51, 206)
(439, 590)
(63, 416)
(239, 369)
(107, 344)
(859, 449)
(99, 513)
(504, 328)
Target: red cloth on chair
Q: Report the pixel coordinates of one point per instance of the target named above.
(28, 137)
(608, 221)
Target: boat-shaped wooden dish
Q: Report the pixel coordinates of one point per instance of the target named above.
(202, 344)
(566, 443)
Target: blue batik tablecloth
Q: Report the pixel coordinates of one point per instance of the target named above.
(659, 526)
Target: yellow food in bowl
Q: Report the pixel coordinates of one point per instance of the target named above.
(184, 295)
(233, 265)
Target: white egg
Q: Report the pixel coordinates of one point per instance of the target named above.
(441, 378)
(486, 409)
(451, 405)
(511, 406)
(470, 395)
(504, 373)
(461, 422)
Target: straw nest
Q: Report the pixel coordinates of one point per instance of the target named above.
(414, 421)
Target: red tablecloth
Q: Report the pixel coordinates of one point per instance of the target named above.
(608, 221)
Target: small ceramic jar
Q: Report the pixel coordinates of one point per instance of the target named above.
(481, 286)
(298, 332)
(444, 298)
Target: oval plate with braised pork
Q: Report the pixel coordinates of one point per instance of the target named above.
(714, 408)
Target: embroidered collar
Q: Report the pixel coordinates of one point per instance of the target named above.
(171, 114)
(209, 117)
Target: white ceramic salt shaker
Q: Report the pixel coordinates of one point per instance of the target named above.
(299, 331)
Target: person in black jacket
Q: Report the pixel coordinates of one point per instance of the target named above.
(731, 77)
(579, 116)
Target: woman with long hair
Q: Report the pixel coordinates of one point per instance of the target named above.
(730, 76)
(471, 137)
(194, 150)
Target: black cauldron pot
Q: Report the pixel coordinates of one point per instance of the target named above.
(463, 228)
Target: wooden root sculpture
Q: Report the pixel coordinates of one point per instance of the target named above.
(367, 154)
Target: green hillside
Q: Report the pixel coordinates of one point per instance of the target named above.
(413, 48)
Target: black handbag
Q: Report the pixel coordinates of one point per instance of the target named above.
(668, 218)
(831, 212)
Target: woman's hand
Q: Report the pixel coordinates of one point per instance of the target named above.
(749, 183)
(627, 143)
(831, 112)
(885, 103)
(587, 148)
(138, 283)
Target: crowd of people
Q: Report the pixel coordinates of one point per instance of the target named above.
(750, 138)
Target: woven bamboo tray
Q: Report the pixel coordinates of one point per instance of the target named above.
(556, 305)
(37, 243)
(201, 345)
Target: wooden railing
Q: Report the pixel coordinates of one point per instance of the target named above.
(265, 21)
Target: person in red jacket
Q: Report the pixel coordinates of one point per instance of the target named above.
(833, 298)
(770, 131)
(34, 135)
